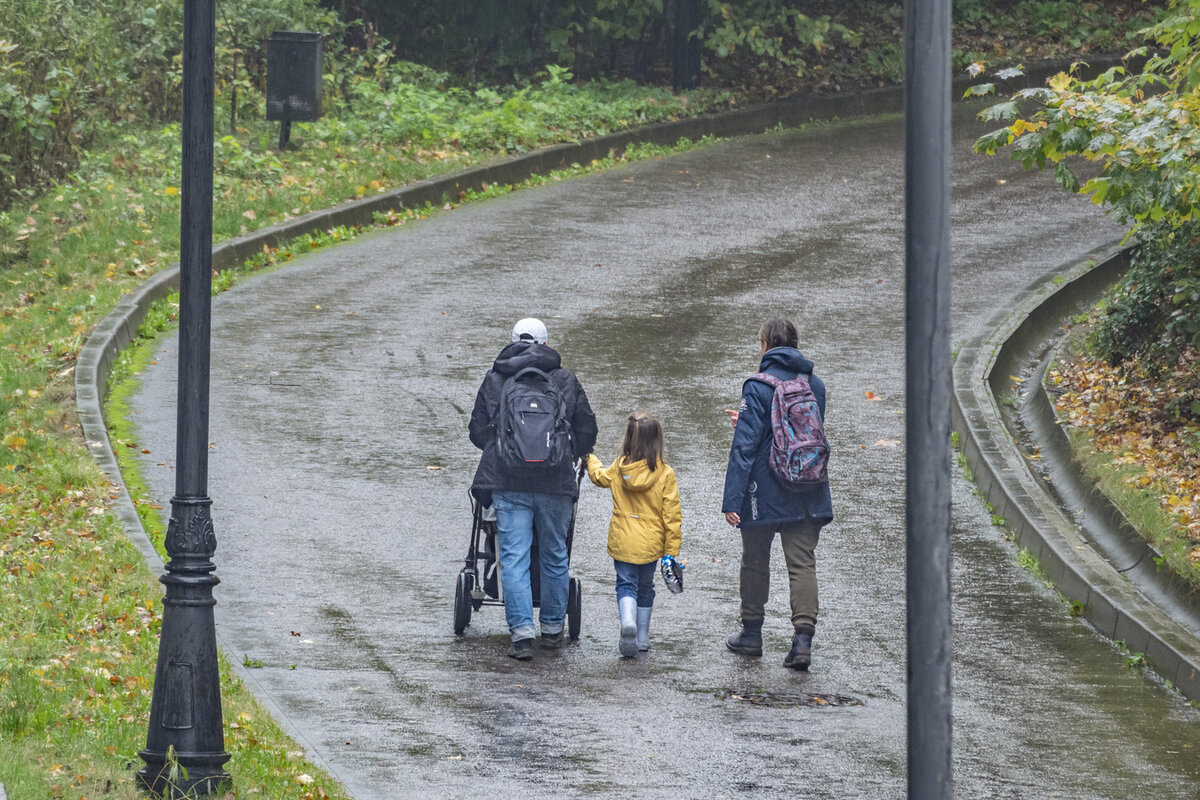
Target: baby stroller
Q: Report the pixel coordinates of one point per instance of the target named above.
(479, 583)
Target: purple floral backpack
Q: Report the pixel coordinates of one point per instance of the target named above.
(799, 450)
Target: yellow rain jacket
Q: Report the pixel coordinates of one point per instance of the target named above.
(646, 517)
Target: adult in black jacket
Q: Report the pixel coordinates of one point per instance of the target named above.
(756, 502)
(526, 500)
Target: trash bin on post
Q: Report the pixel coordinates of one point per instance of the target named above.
(293, 79)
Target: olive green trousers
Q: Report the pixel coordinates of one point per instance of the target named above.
(799, 542)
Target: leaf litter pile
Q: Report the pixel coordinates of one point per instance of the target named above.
(1149, 426)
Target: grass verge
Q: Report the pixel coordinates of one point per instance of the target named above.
(1129, 438)
(1142, 508)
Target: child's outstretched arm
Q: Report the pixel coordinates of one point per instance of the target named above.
(672, 514)
(597, 473)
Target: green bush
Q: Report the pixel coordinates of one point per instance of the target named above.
(1143, 129)
(72, 70)
(1154, 315)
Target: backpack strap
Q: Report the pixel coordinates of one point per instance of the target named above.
(775, 383)
(521, 373)
(765, 377)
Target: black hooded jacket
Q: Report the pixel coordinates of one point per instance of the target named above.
(492, 475)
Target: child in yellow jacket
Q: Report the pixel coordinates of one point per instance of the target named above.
(646, 523)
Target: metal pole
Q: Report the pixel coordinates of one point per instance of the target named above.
(927, 418)
(185, 711)
(686, 47)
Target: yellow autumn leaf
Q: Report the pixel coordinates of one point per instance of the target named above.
(1025, 126)
(172, 190)
(14, 442)
(1060, 82)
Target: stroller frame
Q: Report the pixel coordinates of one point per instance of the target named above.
(478, 583)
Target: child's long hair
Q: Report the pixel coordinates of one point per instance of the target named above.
(643, 440)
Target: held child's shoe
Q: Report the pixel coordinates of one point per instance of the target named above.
(643, 628)
(747, 641)
(627, 606)
(672, 573)
(800, 656)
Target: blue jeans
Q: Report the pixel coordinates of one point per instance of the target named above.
(636, 580)
(518, 514)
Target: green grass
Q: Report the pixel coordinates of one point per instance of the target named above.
(1029, 561)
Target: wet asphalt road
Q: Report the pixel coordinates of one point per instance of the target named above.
(339, 380)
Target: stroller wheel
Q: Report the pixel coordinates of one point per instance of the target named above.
(462, 601)
(574, 599)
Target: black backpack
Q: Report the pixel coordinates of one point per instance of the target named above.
(532, 431)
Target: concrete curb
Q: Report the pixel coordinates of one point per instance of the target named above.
(119, 328)
(1012, 340)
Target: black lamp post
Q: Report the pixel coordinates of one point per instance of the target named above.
(185, 747)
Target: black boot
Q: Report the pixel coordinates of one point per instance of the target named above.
(800, 656)
(521, 649)
(747, 641)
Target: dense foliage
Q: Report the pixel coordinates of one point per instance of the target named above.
(57, 87)
(495, 41)
(1142, 127)
(73, 71)
(1153, 316)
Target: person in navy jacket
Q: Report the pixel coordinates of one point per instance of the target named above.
(758, 504)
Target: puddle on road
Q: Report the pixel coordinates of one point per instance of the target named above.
(788, 699)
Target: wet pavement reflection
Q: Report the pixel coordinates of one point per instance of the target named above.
(340, 464)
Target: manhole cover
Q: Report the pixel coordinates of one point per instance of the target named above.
(789, 699)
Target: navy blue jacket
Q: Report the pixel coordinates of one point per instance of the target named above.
(751, 489)
(492, 474)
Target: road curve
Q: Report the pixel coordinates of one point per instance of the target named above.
(339, 382)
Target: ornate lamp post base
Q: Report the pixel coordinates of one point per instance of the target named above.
(185, 748)
(163, 776)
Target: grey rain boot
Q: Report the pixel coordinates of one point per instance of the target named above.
(627, 606)
(747, 641)
(643, 628)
